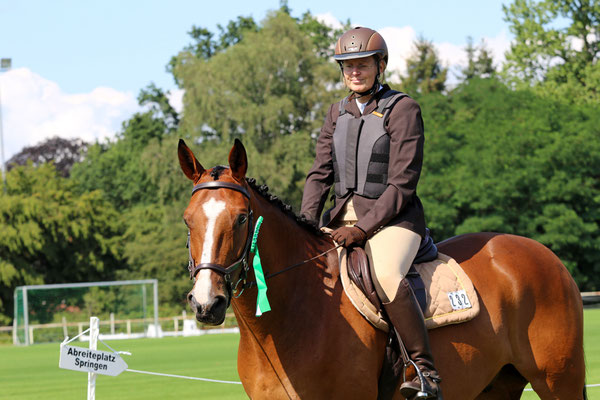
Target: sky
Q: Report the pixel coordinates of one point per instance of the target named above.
(78, 66)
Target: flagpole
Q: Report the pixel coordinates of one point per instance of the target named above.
(5, 65)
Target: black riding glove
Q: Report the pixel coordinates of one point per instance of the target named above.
(349, 236)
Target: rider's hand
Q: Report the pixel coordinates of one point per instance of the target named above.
(349, 236)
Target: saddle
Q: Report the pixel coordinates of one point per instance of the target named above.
(443, 290)
(360, 272)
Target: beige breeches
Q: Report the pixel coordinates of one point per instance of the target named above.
(391, 252)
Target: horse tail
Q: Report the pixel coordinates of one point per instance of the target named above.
(584, 385)
(584, 390)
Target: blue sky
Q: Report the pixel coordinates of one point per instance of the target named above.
(77, 66)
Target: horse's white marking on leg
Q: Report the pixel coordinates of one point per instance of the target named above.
(202, 288)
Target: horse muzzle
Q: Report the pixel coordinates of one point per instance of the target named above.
(211, 312)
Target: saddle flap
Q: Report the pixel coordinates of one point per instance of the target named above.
(360, 273)
(440, 284)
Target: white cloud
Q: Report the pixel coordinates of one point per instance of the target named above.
(176, 99)
(400, 45)
(400, 42)
(34, 109)
(329, 20)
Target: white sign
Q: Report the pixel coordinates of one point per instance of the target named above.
(95, 361)
(459, 300)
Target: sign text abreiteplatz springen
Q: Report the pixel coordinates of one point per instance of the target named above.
(86, 360)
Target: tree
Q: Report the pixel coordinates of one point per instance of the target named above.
(204, 46)
(116, 168)
(269, 84)
(424, 70)
(322, 36)
(159, 228)
(63, 153)
(157, 100)
(514, 161)
(479, 61)
(556, 47)
(51, 235)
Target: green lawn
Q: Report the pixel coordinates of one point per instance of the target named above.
(33, 373)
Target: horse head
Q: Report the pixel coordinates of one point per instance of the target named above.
(220, 223)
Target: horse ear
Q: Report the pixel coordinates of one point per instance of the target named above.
(238, 161)
(189, 165)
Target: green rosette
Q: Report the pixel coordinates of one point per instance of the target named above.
(262, 302)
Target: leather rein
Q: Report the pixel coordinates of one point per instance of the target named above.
(194, 268)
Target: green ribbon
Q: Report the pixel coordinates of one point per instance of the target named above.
(262, 302)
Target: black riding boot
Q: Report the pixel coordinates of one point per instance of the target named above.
(406, 316)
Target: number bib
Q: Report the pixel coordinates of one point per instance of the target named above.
(459, 300)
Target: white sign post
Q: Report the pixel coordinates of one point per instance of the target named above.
(94, 332)
(92, 360)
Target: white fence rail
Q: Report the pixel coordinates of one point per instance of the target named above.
(182, 325)
(188, 326)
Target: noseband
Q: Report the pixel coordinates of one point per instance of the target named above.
(243, 259)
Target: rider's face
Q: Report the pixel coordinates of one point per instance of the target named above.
(360, 73)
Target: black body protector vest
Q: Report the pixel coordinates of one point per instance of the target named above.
(361, 149)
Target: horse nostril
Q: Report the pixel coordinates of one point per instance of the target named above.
(190, 297)
(220, 302)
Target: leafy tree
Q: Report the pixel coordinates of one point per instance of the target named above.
(269, 84)
(479, 61)
(556, 47)
(63, 153)
(322, 36)
(515, 162)
(204, 45)
(159, 228)
(158, 102)
(116, 168)
(424, 70)
(50, 234)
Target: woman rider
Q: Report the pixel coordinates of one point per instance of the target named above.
(371, 148)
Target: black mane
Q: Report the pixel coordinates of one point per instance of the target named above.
(263, 190)
(216, 172)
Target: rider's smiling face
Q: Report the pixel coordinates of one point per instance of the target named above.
(360, 73)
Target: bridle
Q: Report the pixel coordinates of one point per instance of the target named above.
(243, 259)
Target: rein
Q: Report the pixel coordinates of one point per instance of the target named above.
(243, 259)
(252, 284)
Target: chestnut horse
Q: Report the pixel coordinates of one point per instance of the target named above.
(315, 345)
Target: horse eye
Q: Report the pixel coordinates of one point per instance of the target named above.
(242, 219)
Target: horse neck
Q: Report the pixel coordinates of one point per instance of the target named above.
(282, 242)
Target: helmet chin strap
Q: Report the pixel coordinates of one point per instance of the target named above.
(373, 88)
(369, 92)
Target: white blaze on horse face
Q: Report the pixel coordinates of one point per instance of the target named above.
(202, 287)
(212, 209)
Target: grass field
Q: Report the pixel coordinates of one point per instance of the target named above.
(33, 373)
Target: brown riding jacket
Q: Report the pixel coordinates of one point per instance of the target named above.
(399, 204)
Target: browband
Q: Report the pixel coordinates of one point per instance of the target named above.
(220, 185)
